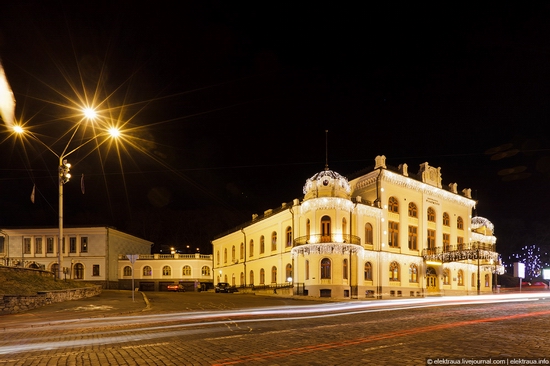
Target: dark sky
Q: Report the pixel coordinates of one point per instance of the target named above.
(227, 104)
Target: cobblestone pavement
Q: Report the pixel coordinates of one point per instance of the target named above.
(232, 329)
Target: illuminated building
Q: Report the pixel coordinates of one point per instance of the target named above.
(387, 233)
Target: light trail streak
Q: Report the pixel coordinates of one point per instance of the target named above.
(185, 324)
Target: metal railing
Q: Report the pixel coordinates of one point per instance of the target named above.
(332, 238)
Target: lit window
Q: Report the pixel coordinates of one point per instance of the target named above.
(147, 271)
(127, 271)
(413, 273)
(368, 233)
(393, 237)
(325, 268)
(431, 214)
(394, 271)
(186, 271)
(413, 238)
(413, 210)
(460, 223)
(368, 271)
(393, 205)
(446, 219)
(166, 271)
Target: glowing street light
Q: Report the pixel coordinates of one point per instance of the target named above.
(64, 167)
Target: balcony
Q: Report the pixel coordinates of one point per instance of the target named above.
(461, 252)
(332, 238)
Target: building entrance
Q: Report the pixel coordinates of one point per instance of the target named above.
(431, 281)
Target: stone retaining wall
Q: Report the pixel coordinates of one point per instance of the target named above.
(12, 304)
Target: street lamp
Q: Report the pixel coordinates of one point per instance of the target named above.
(64, 169)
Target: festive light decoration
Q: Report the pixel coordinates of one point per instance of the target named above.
(479, 221)
(327, 203)
(326, 248)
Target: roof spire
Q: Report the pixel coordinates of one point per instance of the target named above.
(326, 149)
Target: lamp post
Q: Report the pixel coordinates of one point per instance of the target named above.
(63, 170)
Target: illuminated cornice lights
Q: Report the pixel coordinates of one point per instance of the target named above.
(327, 203)
(426, 189)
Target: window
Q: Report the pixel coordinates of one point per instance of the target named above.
(49, 245)
(460, 277)
(37, 246)
(393, 237)
(251, 248)
(288, 272)
(27, 245)
(218, 257)
(166, 271)
(345, 269)
(486, 280)
(473, 279)
(394, 271)
(241, 254)
(368, 271)
(2, 247)
(413, 210)
(325, 229)
(205, 271)
(460, 223)
(242, 278)
(289, 236)
(368, 233)
(224, 255)
(273, 241)
(307, 269)
(325, 268)
(413, 238)
(431, 214)
(460, 242)
(262, 244)
(251, 278)
(262, 276)
(84, 244)
(393, 205)
(446, 219)
(431, 239)
(446, 276)
(413, 273)
(308, 229)
(233, 254)
(127, 271)
(273, 274)
(79, 271)
(95, 270)
(55, 269)
(344, 226)
(72, 244)
(186, 271)
(447, 242)
(147, 271)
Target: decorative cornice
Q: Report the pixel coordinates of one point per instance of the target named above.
(326, 203)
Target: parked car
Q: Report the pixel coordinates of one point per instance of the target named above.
(224, 287)
(177, 287)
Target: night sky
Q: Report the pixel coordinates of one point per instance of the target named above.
(225, 107)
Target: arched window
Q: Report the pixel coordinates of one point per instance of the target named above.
(262, 244)
(473, 279)
(288, 272)
(224, 255)
(344, 226)
(262, 276)
(147, 271)
(233, 254)
(393, 205)
(186, 271)
(242, 278)
(413, 237)
(241, 249)
(460, 277)
(288, 236)
(431, 214)
(394, 271)
(325, 268)
(345, 269)
(325, 229)
(251, 248)
(218, 257)
(368, 272)
(79, 271)
(273, 274)
(487, 280)
(393, 234)
(460, 223)
(446, 219)
(413, 210)
(205, 271)
(307, 269)
(446, 276)
(308, 229)
(127, 271)
(368, 233)
(251, 278)
(413, 273)
(166, 271)
(273, 241)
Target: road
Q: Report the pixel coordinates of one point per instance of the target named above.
(238, 329)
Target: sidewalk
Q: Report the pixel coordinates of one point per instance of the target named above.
(108, 303)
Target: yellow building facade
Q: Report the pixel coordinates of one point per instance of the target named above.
(388, 233)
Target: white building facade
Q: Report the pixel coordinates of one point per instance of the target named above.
(387, 233)
(87, 253)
